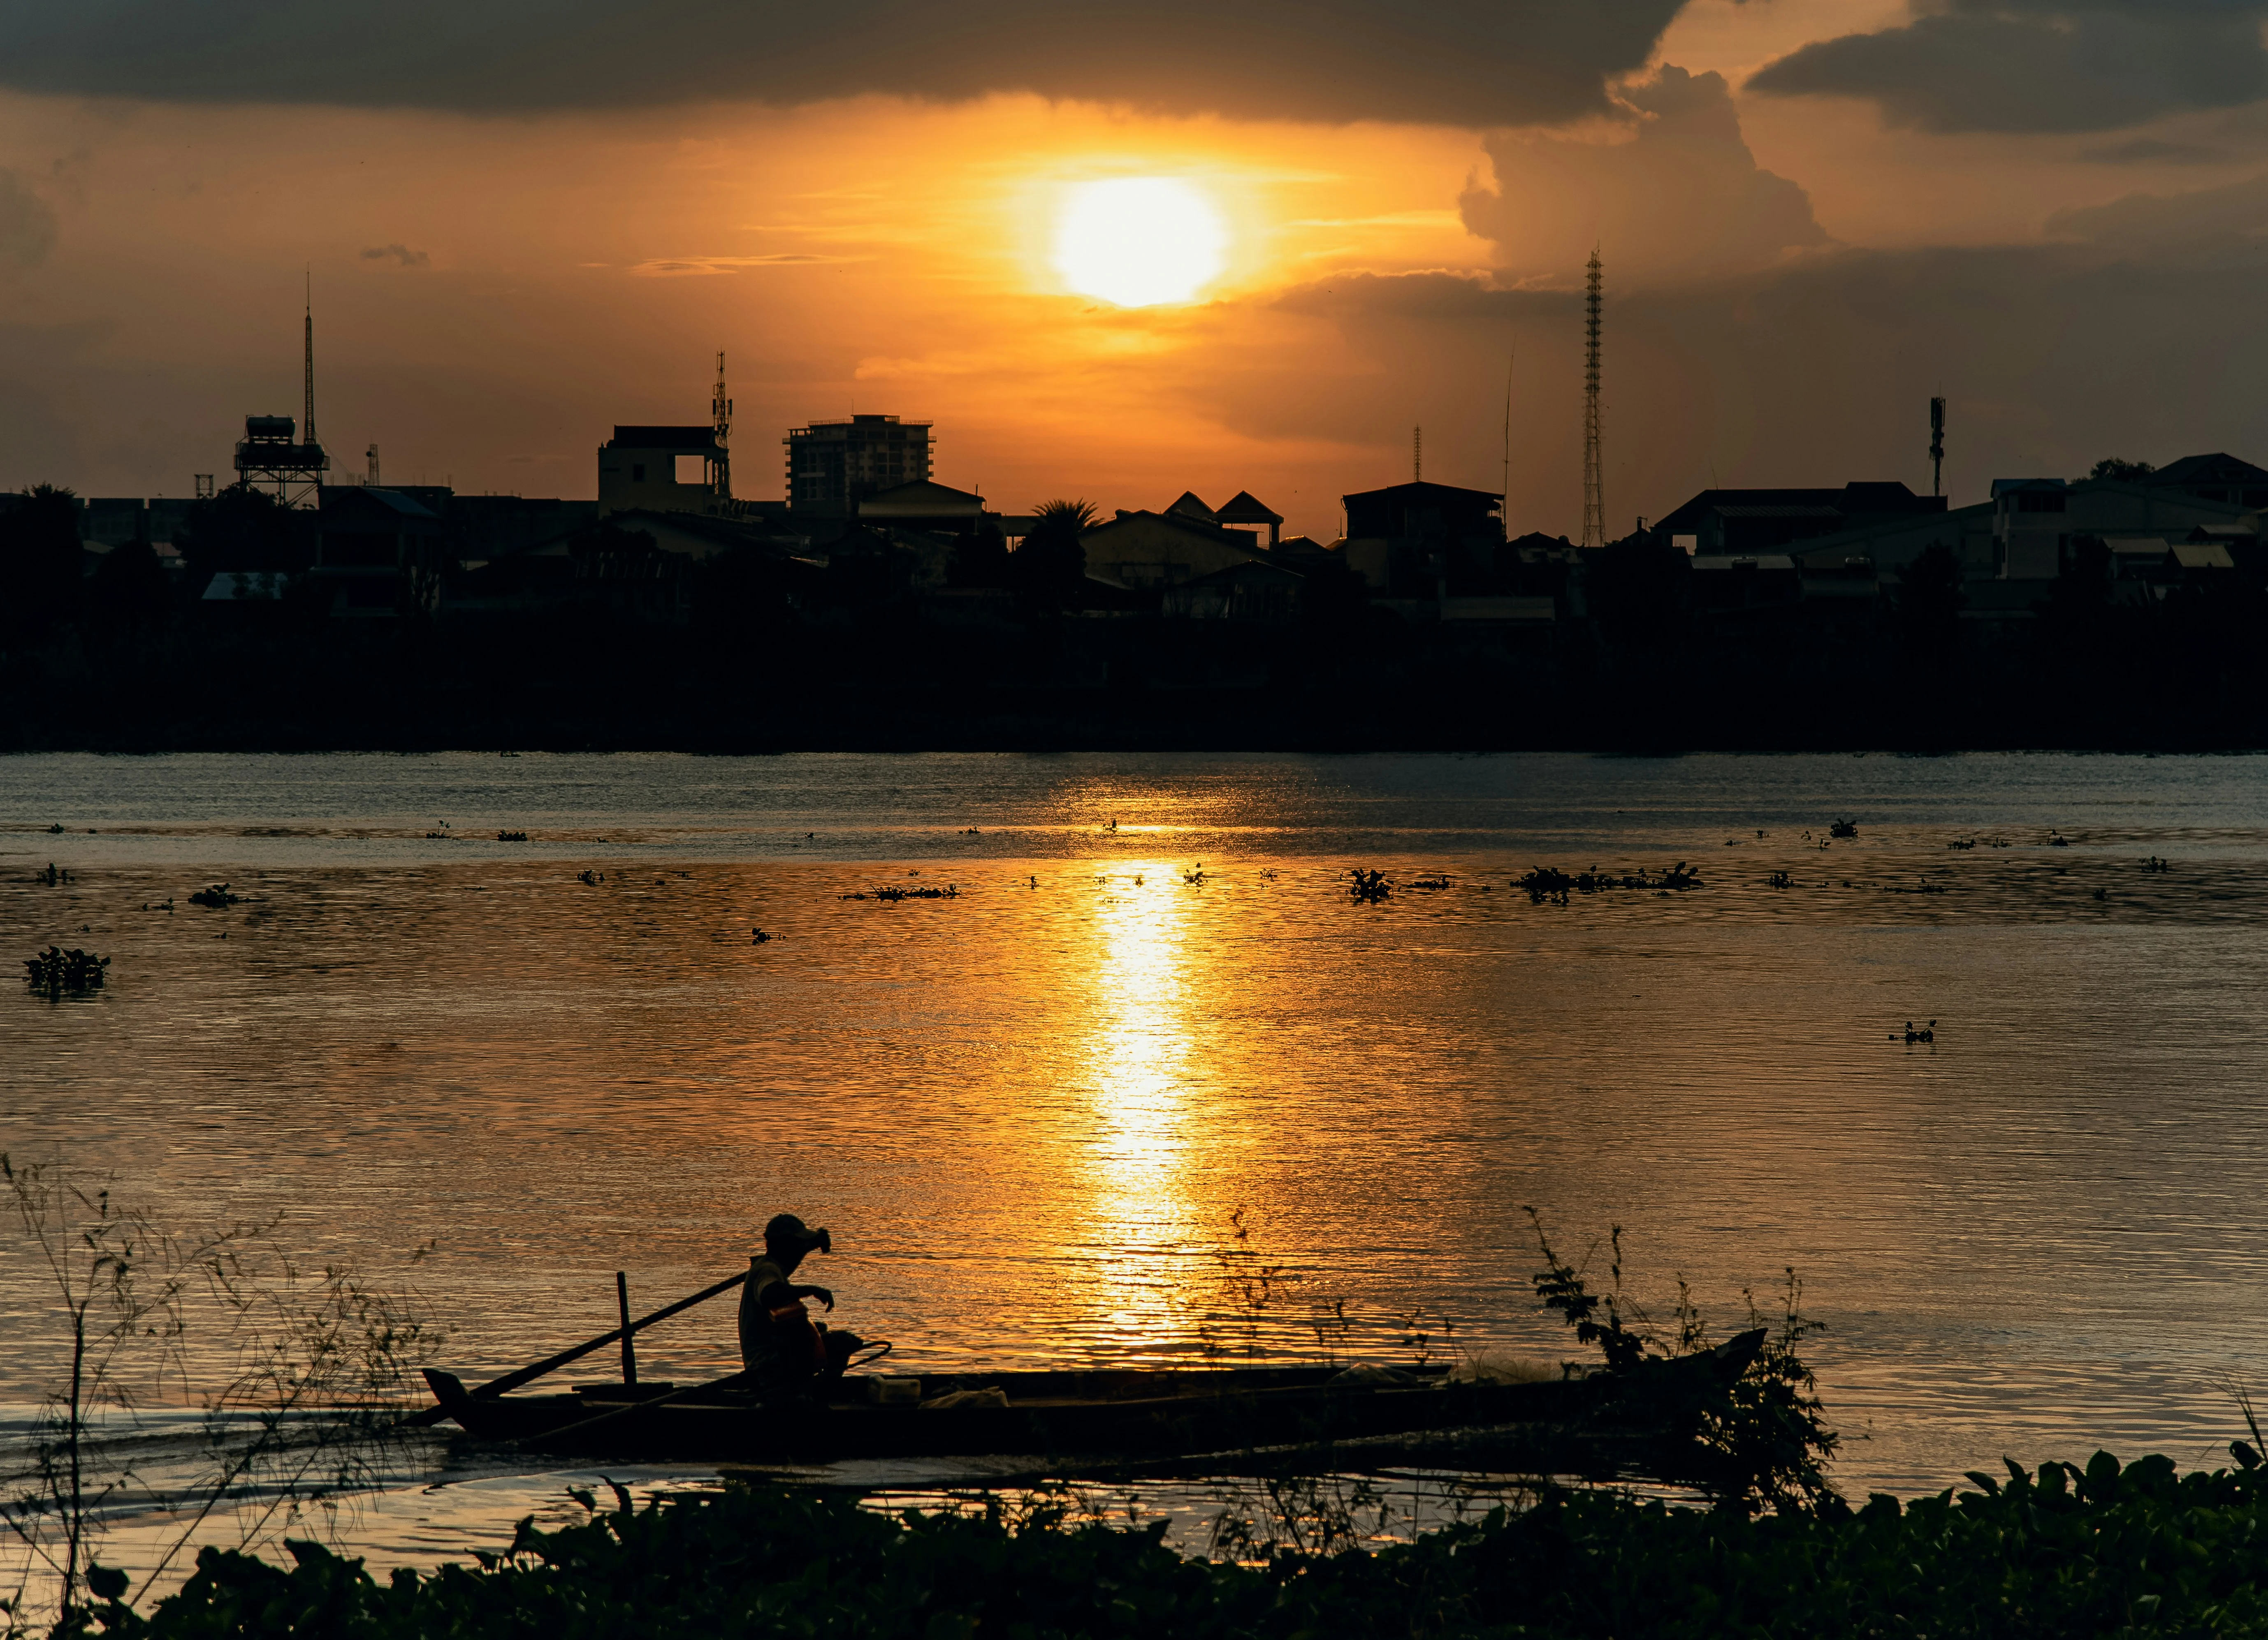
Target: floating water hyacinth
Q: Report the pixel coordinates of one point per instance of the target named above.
(57, 972)
(215, 896)
(1549, 883)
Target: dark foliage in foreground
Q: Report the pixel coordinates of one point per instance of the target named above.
(2065, 1552)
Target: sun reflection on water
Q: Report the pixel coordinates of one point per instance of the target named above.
(1138, 1052)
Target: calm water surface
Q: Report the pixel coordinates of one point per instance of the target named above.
(1029, 1111)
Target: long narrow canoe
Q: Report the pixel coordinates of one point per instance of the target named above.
(1100, 1413)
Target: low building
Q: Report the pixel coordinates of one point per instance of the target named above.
(2219, 476)
(1741, 523)
(1252, 593)
(924, 505)
(664, 469)
(2025, 532)
(1411, 541)
(1149, 550)
(1244, 512)
(378, 552)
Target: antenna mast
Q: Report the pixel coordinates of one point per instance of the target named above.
(1508, 363)
(721, 408)
(308, 435)
(1594, 506)
(1937, 446)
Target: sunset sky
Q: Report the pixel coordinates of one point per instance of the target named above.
(528, 222)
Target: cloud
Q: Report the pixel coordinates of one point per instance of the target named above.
(2220, 224)
(2149, 151)
(2112, 341)
(27, 226)
(400, 253)
(1683, 197)
(1469, 63)
(678, 267)
(2039, 65)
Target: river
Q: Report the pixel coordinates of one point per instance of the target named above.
(1030, 1108)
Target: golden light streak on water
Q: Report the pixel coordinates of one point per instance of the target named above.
(1141, 1038)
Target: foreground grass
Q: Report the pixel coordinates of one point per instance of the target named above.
(2104, 1550)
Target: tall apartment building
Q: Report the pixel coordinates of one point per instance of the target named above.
(833, 464)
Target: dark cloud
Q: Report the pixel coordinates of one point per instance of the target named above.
(2040, 65)
(1473, 63)
(2226, 226)
(2149, 151)
(28, 226)
(1684, 196)
(1817, 371)
(400, 253)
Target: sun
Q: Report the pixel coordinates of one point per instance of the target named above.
(1138, 241)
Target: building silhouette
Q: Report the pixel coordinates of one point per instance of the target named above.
(832, 466)
(664, 469)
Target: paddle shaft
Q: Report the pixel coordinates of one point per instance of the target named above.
(511, 1381)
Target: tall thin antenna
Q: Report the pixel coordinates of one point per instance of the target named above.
(1937, 446)
(308, 434)
(1594, 504)
(1513, 359)
(1417, 455)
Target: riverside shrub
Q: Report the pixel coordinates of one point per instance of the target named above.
(2105, 1550)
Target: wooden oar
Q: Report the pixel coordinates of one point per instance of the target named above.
(551, 1363)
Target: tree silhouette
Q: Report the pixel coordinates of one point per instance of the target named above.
(242, 528)
(2125, 471)
(1051, 564)
(1927, 602)
(40, 558)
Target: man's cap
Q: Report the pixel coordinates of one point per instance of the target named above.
(786, 1230)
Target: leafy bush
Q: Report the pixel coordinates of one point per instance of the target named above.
(2104, 1550)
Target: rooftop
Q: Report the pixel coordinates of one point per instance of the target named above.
(657, 436)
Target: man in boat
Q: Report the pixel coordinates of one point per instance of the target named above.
(783, 1350)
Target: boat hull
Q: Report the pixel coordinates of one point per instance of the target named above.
(1087, 1415)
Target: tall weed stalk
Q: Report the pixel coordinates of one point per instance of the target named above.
(196, 1376)
(1765, 1444)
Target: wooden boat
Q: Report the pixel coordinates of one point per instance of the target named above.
(1092, 1414)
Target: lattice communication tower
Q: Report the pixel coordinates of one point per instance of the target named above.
(720, 469)
(1595, 504)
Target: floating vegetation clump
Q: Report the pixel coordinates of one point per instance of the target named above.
(1843, 828)
(1547, 882)
(58, 972)
(591, 879)
(1368, 887)
(511, 836)
(1782, 880)
(1439, 880)
(2153, 864)
(949, 892)
(216, 896)
(51, 877)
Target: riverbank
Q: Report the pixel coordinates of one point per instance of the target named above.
(2065, 1551)
(257, 688)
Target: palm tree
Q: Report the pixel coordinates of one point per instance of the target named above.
(1050, 564)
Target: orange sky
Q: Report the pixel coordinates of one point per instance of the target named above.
(494, 292)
